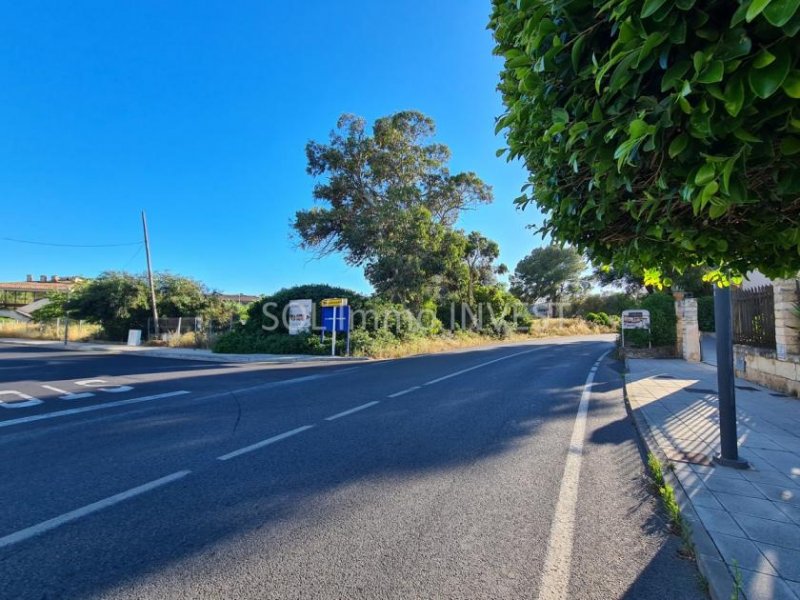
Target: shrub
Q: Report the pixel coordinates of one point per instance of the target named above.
(247, 342)
(705, 313)
(600, 318)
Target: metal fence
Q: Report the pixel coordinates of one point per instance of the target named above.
(190, 332)
(753, 312)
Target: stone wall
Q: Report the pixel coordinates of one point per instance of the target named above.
(688, 329)
(764, 367)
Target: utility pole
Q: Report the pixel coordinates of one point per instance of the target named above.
(729, 455)
(150, 276)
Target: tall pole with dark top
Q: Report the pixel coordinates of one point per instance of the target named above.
(729, 455)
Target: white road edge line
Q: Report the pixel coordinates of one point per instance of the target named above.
(267, 442)
(403, 392)
(461, 372)
(557, 566)
(83, 409)
(352, 410)
(29, 532)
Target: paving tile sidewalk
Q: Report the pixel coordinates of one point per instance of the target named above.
(748, 518)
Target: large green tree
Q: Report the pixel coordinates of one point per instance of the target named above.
(658, 133)
(385, 197)
(547, 273)
(480, 256)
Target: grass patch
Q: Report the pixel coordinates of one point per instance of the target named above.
(667, 494)
(390, 347)
(78, 331)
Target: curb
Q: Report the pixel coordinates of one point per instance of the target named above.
(157, 353)
(707, 556)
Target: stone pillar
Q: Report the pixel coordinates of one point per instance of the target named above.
(688, 329)
(787, 323)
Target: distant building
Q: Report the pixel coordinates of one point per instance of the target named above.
(242, 299)
(18, 299)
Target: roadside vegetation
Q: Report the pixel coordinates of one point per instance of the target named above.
(52, 330)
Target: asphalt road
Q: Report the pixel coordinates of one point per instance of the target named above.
(444, 476)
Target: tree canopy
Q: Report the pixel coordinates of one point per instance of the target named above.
(388, 202)
(546, 272)
(658, 133)
(119, 301)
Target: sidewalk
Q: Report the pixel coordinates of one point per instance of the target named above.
(179, 353)
(746, 521)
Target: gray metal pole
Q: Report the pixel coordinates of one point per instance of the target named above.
(150, 276)
(729, 456)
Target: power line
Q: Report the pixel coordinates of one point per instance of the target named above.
(8, 239)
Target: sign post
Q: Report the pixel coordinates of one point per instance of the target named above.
(636, 319)
(339, 320)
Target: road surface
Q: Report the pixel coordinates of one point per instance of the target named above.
(471, 474)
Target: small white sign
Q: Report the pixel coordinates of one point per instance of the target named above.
(299, 316)
(134, 337)
(636, 319)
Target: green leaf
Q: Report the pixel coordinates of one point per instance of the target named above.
(674, 74)
(698, 60)
(705, 174)
(577, 49)
(639, 128)
(709, 190)
(790, 146)
(739, 14)
(745, 136)
(734, 96)
(791, 85)
(560, 116)
(727, 170)
(712, 73)
(765, 81)
(763, 58)
(519, 61)
(717, 210)
(650, 44)
(756, 6)
(678, 145)
(650, 7)
(779, 12)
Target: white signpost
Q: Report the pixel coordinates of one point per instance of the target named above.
(635, 319)
(300, 313)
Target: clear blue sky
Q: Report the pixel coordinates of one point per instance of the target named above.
(198, 112)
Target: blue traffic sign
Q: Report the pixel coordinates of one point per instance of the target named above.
(342, 318)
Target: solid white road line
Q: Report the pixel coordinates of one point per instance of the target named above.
(352, 410)
(403, 392)
(83, 409)
(29, 532)
(490, 362)
(267, 442)
(557, 566)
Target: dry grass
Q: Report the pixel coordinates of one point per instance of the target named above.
(541, 328)
(186, 340)
(78, 332)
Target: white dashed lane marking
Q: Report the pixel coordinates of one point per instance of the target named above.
(267, 442)
(352, 410)
(29, 532)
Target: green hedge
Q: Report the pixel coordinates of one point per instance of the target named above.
(705, 313)
(662, 322)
